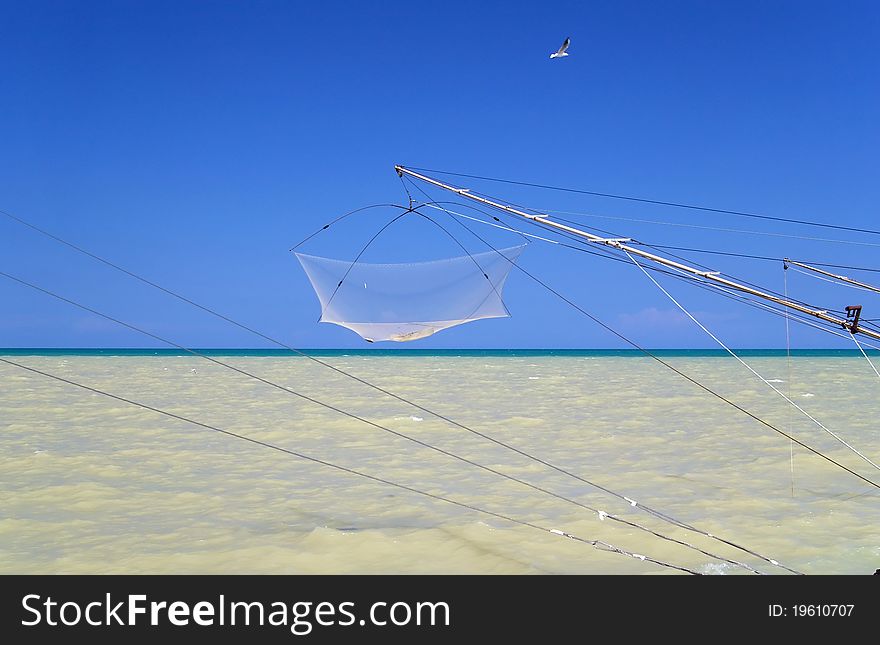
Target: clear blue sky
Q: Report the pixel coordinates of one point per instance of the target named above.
(196, 142)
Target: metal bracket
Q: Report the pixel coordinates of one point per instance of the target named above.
(853, 313)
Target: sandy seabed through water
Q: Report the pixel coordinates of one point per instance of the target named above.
(93, 485)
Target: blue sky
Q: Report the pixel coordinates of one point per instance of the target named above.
(196, 142)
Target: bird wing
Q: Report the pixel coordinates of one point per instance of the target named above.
(564, 46)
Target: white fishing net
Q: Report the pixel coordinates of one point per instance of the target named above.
(408, 301)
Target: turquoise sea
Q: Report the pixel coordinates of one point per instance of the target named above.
(97, 485)
(622, 353)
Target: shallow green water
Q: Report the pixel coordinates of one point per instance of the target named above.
(89, 484)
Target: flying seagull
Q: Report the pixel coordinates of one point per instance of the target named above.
(562, 50)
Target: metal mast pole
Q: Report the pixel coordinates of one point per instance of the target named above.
(842, 278)
(620, 244)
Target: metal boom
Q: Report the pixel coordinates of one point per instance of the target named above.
(620, 244)
(842, 278)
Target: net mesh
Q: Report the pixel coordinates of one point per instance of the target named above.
(408, 301)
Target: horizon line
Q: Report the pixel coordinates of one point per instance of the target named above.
(428, 350)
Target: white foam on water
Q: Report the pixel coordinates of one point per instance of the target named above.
(717, 568)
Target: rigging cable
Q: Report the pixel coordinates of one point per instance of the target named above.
(861, 349)
(742, 231)
(761, 257)
(323, 228)
(580, 241)
(599, 513)
(659, 202)
(674, 369)
(606, 252)
(501, 226)
(738, 279)
(406, 190)
(358, 257)
(788, 364)
(654, 512)
(474, 260)
(735, 295)
(747, 366)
